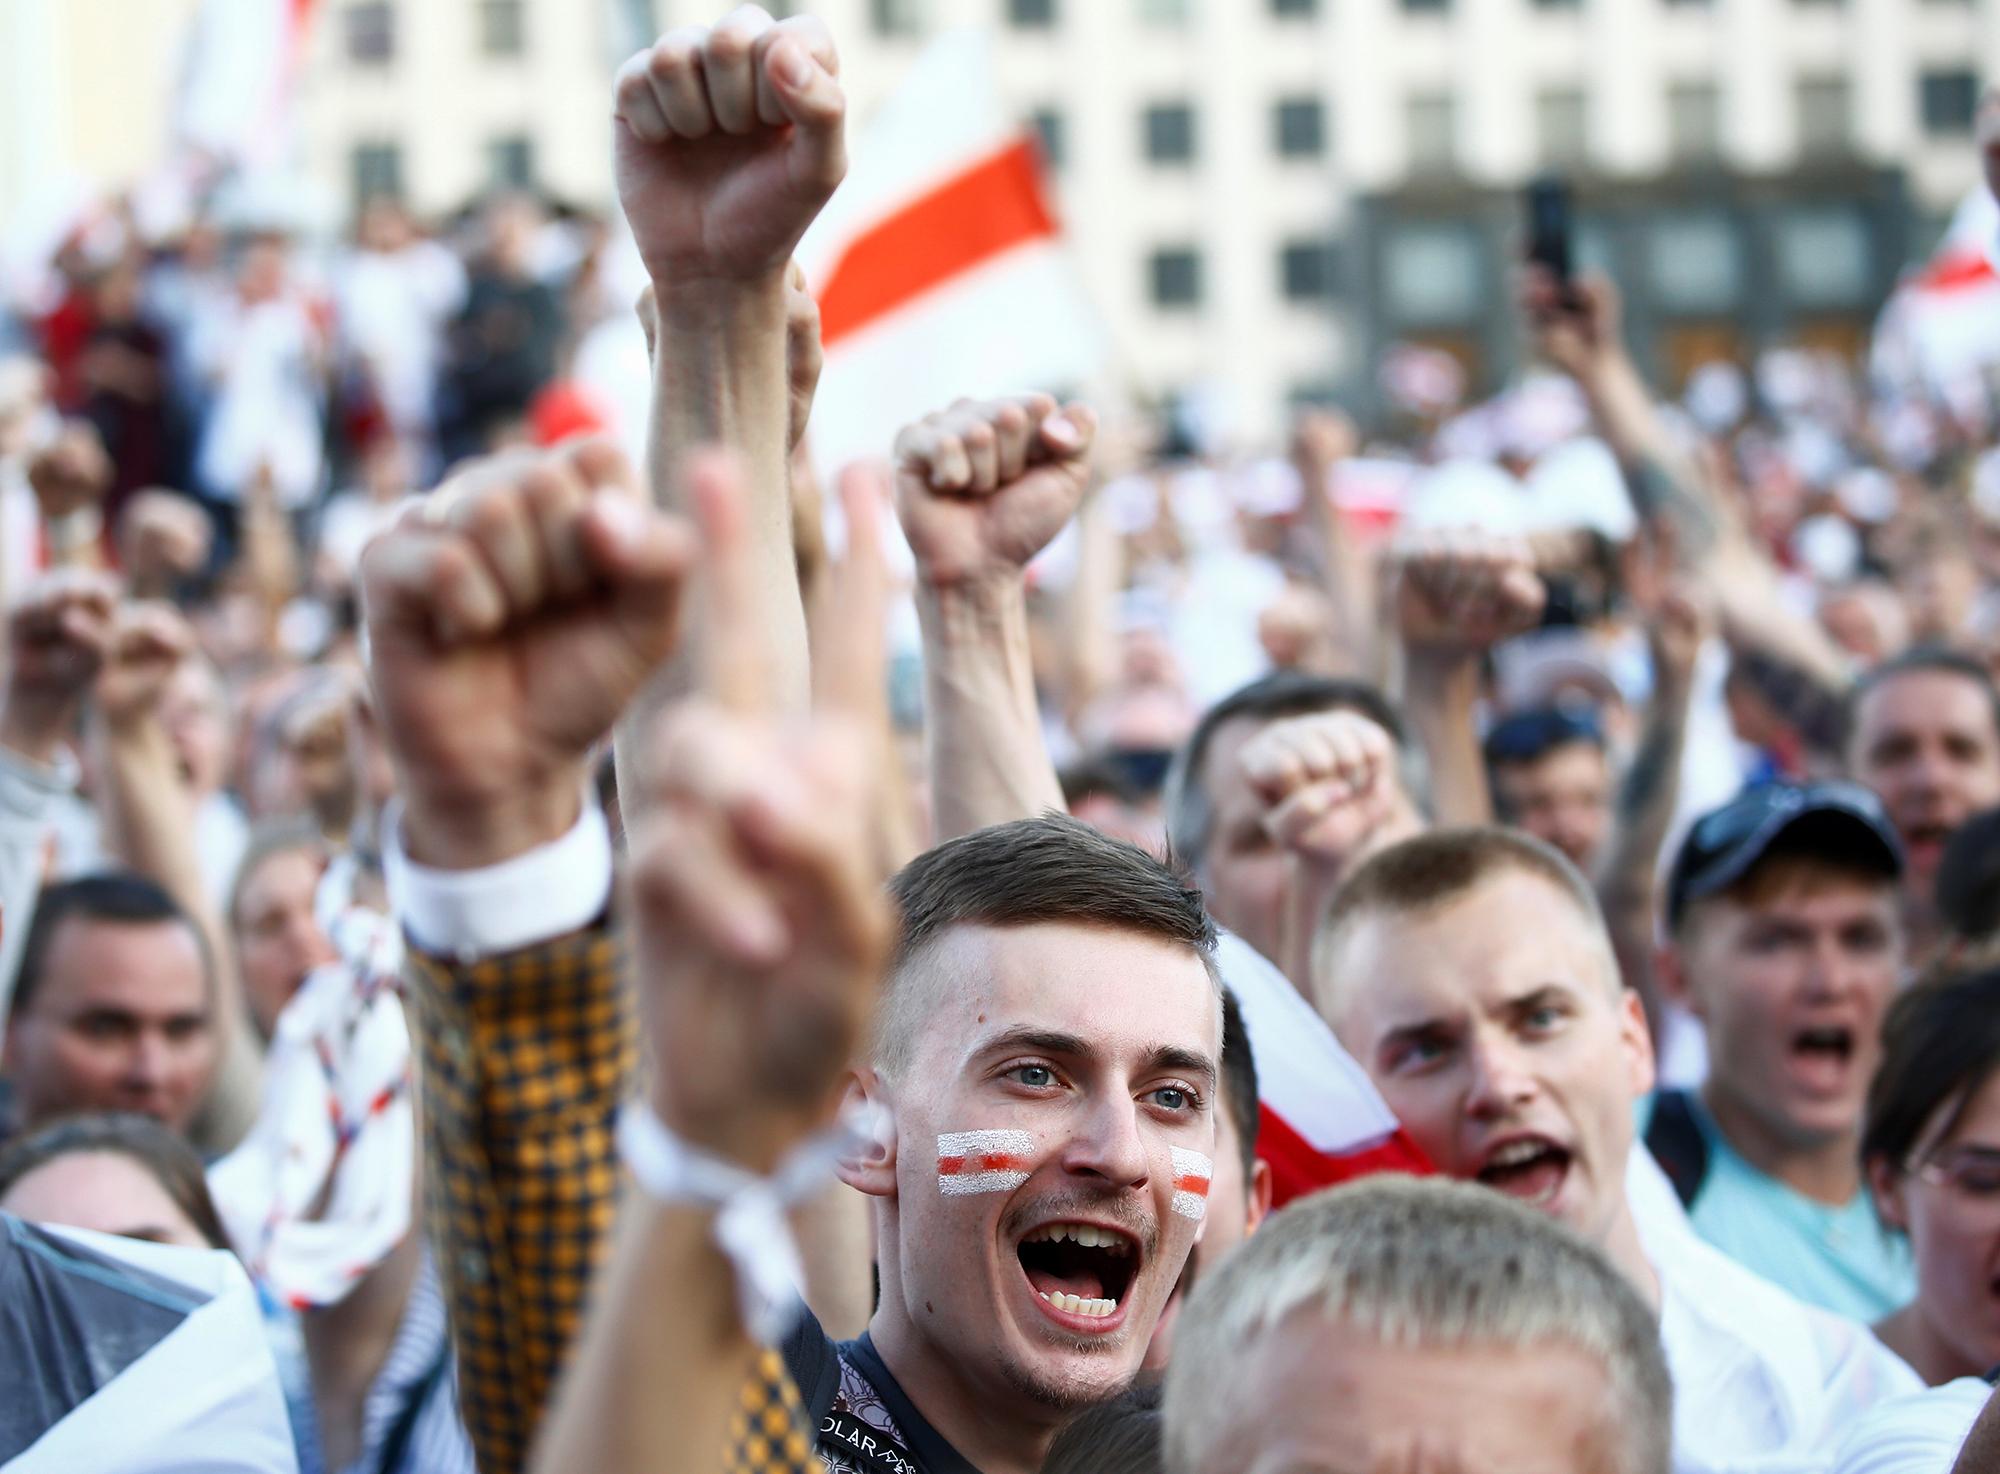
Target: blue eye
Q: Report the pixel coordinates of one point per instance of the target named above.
(1035, 1077)
(1177, 1098)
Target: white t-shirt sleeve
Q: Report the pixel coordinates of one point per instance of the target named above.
(1918, 1434)
(535, 897)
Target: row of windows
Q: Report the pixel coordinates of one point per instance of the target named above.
(908, 17)
(1308, 271)
(377, 168)
(370, 27)
(1169, 135)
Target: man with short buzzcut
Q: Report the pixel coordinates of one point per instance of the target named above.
(1421, 1326)
(1469, 973)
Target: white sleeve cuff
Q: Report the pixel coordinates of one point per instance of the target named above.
(535, 897)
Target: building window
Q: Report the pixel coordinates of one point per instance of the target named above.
(1947, 101)
(1306, 270)
(1431, 122)
(1299, 128)
(1170, 133)
(1694, 122)
(1431, 275)
(895, 17)
(1826, 116)
(1558, 4)
(1175, 275)
(1695, 264)
(502, 28)
(1426, 7)
(1048, 126)
(1823, 258)
(1166, 12)
(1559, 127)
(1294, 7)
(1031, 14)
(510, 162)
(376, 169)
(371, 33)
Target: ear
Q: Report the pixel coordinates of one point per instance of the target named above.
(871, 1169)
(1637, 1040)
(1262, 1185)
(1885, 1186)
(1670, 972)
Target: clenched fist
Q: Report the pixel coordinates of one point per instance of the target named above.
(1329, 783)
(982, 487)
(511, 616)
(1464, 590)
(728, 141)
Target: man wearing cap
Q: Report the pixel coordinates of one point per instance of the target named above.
(1785, 942)
(1551, 777)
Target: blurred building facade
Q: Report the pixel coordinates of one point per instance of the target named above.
(1264, 192)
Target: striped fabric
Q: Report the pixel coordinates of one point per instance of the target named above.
(437, 1443)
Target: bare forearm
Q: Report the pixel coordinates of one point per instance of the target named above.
(988, 761)
(1647, 800)
(648, 1390)
(1438, 697)
(1665, 486)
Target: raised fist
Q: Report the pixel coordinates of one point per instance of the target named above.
(71, 472)
(149, 640)
(728, 141)
(511, 616)
(1466, 590)
(982, 487)
(1329, 783)
(57, 639)
(163, 537)
(762, 925)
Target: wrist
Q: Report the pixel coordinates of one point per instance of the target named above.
(705, 304)
(464, 833)
(36, 727)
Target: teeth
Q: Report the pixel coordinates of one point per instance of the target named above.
(1515, 1153)
(1078, 1305)
(1083, 1234)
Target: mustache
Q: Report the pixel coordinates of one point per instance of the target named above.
(1120, 1209)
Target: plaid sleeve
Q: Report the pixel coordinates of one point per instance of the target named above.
(525, 1061)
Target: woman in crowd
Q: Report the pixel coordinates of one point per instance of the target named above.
(1931, 1150)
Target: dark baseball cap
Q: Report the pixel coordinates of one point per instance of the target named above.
(1842, 821)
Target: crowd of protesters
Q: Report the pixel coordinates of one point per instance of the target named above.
(592, 971)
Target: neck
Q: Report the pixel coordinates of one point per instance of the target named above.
(1623, 1248)
(999, 1435)
(1826, 1169)
(1911, 1336)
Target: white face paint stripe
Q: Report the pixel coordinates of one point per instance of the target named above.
(982, 1161)
(1192, 1172)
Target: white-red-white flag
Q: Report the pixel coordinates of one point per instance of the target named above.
(233, 104)
(939, 264)
(1321, 1120)
(1943, 322)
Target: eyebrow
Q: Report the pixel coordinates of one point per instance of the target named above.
(1075, 1046)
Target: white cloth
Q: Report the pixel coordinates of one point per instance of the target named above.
(1763, 1384)
(221, 838)
(545, 893)
(393, 309)
(266, 409)
(336, 1110)
(205, 1400)
(1918, 1434)
(30, 795)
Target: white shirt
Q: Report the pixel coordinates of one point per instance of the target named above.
(1918, 1434)
(1763, 1383)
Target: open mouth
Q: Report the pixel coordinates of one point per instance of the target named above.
(1082, 1269)
(1530, 1168)
(1822, 1056)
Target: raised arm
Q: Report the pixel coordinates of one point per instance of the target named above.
(761, 927)
(1460, 593)
(148, 812)
(981, 488)
(511, 617)
(727, 141)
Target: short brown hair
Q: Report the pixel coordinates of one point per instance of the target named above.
(1437, 868)
(1050, 870)
(170, 1160)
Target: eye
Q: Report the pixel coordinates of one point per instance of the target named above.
(1035, 1077)
(1176, 1098)
(1543, 1017)
(1416, 1054)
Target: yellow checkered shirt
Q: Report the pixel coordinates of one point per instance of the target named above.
(525, 1060)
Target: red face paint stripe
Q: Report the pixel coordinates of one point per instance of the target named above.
(1196, 1185)
(986, 1162)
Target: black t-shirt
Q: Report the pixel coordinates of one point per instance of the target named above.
(862, 1422)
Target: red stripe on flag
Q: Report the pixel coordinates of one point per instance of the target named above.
(988, 1162)
(1298, 1167)
(992, 207)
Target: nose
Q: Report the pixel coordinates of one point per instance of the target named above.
(146, 1068)
(1107, 1145)
(1501, 1080)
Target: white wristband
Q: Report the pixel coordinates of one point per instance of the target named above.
(750, 1225)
